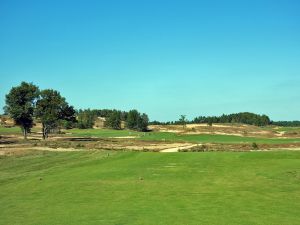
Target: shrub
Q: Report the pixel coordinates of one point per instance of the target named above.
(254, 146)
(199, 148)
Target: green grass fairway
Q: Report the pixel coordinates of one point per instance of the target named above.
(14, 130)
(173, 137)
(105, 133)
(10, 130)
(179, 188)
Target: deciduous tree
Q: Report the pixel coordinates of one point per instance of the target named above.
(51, 108)
(20, 103)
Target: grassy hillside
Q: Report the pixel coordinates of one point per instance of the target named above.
(150, 188)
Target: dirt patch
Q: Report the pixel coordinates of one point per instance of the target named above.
(15, 143)
(225, 129)
(125, 137)
(178, 148)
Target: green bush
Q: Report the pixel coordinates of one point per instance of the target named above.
(254, 146)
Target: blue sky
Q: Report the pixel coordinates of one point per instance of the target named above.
(165, 58)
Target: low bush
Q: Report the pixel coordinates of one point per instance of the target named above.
(254, 146)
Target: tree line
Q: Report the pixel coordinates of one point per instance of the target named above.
(27, 102)
(243, 117)
(294, 123)
(86, 117)
(133, 119)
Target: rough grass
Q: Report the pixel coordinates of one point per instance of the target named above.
(215, 138)
(150, 188)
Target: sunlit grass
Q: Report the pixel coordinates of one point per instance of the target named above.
(150, 188)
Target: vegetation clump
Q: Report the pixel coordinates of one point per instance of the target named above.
(51, 109)
(243, 117)
(114, 120)
(20, 105)
(85, 119)
(255, 146)
(137, 121)
(133, 119)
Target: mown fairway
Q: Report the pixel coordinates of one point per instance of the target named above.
(150, 188)
(173, 137)
(102, 133)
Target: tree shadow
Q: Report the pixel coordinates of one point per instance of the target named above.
(7, 140)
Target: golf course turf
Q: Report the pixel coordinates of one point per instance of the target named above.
(105, 187)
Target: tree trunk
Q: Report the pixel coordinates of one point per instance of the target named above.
(24, 133)
(44, 132)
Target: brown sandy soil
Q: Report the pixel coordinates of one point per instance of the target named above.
(125, 137)
(205, 125)
(178, 148)
(225, 129)
(165, 148)
(13, 143)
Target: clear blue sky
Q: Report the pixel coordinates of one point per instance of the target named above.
(164, 58)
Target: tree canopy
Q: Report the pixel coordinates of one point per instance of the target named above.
(86, 119)
(20, 103)
(244, 117)
(114, 120)
(137, 121)
(52, 108)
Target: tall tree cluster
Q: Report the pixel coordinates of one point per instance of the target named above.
(244, 117)
(114, 120)
(137, 121)
(133, 119)
(26, 101)
(86, 118)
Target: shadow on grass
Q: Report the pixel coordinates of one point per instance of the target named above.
(83, 139)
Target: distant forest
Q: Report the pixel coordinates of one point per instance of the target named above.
(242, 117)
(287, 123)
